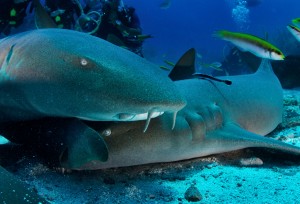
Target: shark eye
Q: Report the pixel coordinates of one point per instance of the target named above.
(83, 62)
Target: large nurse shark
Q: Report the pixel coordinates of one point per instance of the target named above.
(64, 73)
(67, 74)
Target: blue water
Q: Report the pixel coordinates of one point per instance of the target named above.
(190, 23)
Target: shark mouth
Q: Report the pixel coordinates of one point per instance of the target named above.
(143, 116)
(125, 117)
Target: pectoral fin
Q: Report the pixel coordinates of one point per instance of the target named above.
(84, 144)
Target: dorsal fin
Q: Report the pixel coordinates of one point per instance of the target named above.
(185, 67)
(265, 66)
(41, 17)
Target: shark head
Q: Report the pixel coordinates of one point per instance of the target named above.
(72, 74)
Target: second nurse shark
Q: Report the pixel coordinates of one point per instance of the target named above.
(217, 118)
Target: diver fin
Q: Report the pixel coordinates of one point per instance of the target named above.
(238, 138)
(185, 66)
(14, 191)
(41, 17)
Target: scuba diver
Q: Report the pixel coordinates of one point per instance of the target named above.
(121, 26)
(12, 14)
(110, 20)
(63, 12)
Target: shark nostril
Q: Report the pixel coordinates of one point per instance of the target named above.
(125, 116)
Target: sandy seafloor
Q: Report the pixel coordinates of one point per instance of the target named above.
(271, 177)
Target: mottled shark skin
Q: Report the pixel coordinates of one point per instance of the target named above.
(64, 73)
(217, 118)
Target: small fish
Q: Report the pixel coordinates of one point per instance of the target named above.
(214, 65)
(296, 21)
(295, 31)
(143, 37)
(165, 68)
(139, 38)
(251, 43)
(57, 12)
(169, 63)
(198, 55)
(165, 4)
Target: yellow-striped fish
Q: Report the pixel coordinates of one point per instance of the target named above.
(295, 31)
(251, 43)
(296, 21)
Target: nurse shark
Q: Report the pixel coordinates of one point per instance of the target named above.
(217, 118)
(64, 73)
(67, 74)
